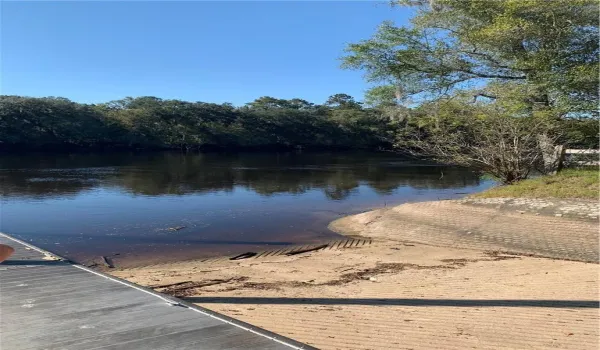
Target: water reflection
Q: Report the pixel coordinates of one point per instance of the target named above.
(85, 205)
(155, 174)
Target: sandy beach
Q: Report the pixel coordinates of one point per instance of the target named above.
(447, 275)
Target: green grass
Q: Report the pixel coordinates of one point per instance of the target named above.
(569, 183)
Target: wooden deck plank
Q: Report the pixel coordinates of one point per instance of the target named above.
(49, 304)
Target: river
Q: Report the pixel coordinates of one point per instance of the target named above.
(142, 208)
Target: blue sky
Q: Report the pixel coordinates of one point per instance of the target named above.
(96, 51)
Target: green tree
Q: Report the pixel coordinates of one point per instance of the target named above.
(515, 59)
(342, 101)
(382, 96)
(552, 46)
(268, 102)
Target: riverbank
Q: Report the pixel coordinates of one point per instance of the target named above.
(569, 183)
(472, 275)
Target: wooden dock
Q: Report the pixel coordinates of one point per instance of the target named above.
(47, 302)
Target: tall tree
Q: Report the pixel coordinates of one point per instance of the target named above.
(518, 58)
(342, 101)
(550, 46)
(268, 102)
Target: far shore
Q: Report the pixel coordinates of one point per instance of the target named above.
(445, 274)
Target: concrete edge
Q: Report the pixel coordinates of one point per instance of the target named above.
(176, 301)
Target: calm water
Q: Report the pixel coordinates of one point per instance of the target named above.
(122, 205)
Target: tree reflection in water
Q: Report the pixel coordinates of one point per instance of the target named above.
(168, 173)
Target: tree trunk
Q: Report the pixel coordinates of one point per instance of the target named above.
(552, 155)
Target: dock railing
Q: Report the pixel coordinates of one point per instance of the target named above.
(581, 157)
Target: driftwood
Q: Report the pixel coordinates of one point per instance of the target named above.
(187, 288)
(243, 256)
(170, 284)
(107, 262)
(192, 284)
(213, 282)
(307, 250)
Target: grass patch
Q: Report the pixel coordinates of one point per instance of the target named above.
(569, 183)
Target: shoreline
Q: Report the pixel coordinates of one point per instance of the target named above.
(417, 285)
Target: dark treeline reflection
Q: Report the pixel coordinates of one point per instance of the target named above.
(170, 173)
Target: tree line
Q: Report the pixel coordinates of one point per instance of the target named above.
(154, 123)
(56, 123)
